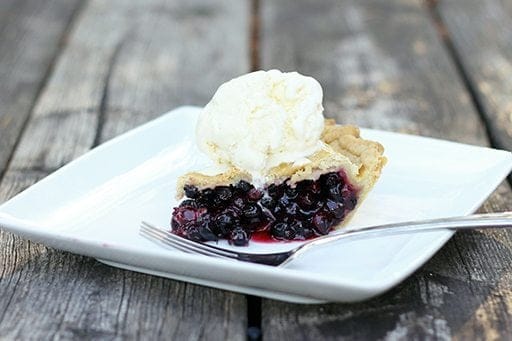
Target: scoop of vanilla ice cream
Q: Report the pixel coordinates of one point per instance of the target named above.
(262, 119)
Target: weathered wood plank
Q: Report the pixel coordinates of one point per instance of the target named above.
(378, 68)
(481, 33)
(382, 65)
(213, 47)
(31, 32)
(124, 63)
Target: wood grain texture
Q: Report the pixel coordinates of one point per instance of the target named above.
(481, 33)
(124, 63)
(382, 65)
(31, 32)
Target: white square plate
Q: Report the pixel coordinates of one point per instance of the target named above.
(93, 206)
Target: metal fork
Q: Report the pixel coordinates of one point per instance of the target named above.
(476, 221)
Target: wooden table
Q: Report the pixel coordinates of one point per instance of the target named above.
(74, 74)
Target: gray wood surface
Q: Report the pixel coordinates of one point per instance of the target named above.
(73, 76)
(31, 34)
(481, 34)
(383, 65)
(123, 63)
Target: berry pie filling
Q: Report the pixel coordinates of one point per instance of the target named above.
(278, 212)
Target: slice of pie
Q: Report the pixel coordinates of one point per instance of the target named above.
(299, 200)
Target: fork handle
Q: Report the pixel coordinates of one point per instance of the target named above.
(471, 222)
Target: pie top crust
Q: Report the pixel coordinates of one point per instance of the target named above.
(344, 149)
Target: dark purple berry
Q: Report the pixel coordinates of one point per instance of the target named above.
(191, 232)
(268, 202)
(208, 235)
(306, 200)
(223, 193)
(308, 232)
(191, 191)
(224, 223)
(275, 191)
(239, 202)
(335, 193)
(254, 194)
(243, 186)
(185, 215)
(330, 179)
(305, 185)
(315, 188)
(350, 199)
(335, 208)
(282, 231)
(175, 225)
(291, 193)
(251, 211)
(321, 223)
(283, 201)
(239, 237)
(278, 211)
(188, 203)
(205, 198)
(292, 209)
(298, 228)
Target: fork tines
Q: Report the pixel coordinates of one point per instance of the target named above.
(165, 237)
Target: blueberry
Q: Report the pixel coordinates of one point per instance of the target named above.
(315, 187)
(335, 208)
(305, 185)
(251, 211)
(275, 191)
(224, 223)
(335, 193)
(298, 228)
(306, 200)
(278, 211)
(239, 202)
(350, 201)
(308, 232)
(331, 179)
(234, 211)
(283, 201)
(188, 203)
(239, 237)
(208, 235)
(191, 191)
(268, 202)
(282, 231)
(291, 193)
(292, 209)
(192, 233)
(203, 225)
(188, 214)
(223, 193)
(321, 223)
(175, 225)
(207, 193)
(206, 198)
(254, 194)
(243, 186)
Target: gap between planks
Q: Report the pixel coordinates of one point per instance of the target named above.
(254, 35)
(254, 331)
